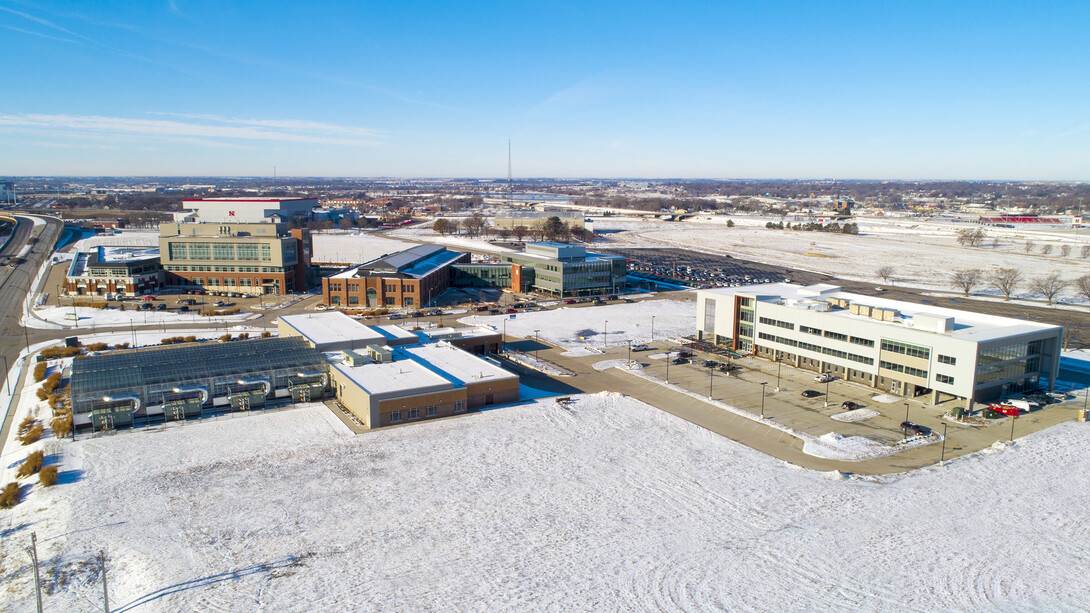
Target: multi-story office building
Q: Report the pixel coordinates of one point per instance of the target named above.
(406, 278)
(564, 270)
(529, 219)
(118, 270)
(906, 349)
(248, 258)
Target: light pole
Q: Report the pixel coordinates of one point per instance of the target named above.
(827, 392)
(763, 384)
(7, 384)
(652, 328)
(503, 339)
(667, 364)
(1014, 418)
(605, 334)
(904, 431)
(942, 457)
(711, 380)
(629, 350)
(537, 343)
(779, 365)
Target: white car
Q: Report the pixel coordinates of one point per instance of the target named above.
(824, 378)
(640, 347)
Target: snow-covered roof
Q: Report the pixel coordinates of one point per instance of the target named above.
(330, 328)
(457, 363)
(397, 334)
(420, 369)
(976, 327)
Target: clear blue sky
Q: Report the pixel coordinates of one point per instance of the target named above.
(900, 90)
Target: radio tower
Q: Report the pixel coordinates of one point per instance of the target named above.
(508, 173)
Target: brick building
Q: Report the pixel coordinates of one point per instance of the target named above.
(407, 278)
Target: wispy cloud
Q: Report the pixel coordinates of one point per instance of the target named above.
(44, 22)
(1076, 130)
(41, 35)
(223, 129)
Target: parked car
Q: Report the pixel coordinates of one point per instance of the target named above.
(728, 367)
(680, 360)
(147, 306)
(570, 301)
(183, 308)
(611, 297)
(810, 393)
(911, 428)
(684, 354)
(219, 303)
(848, 405)
(709, 363)
(483, 307)
(494, 311)
(824, 378)
(1006, 409)
(396, 316)
(512, 310)
(640, 347)
(161, 307)
(416, 314)
(629, 300)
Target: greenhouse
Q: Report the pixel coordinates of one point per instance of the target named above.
(180, 381)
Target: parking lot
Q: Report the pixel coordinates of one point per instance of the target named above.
(704, 269)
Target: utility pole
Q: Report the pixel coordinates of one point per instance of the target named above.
(105, 592)
(33, 552)
(763, 384)
(942, 457)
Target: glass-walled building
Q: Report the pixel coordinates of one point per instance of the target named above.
(564, 270)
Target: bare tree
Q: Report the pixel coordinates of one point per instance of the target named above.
(971, 237)
(1082, 287)
(1049, 286)
(346, 223)
(1065, 250)
(967, 280)
(519, 231)
(444, 226)
(1005, 280)
(1046, 249)
(475, 224)
(1029, 246)
(886, 273)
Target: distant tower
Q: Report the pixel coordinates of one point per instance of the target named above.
(508, 172)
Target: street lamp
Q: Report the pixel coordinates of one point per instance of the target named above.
(711, 379)
(827, 391)
(905, 430)
(503, 339)
(942, 457)
(537, 343)
(629, 350)
(1014, 418)
(605, 334)
(763, 384)
(779, 366)
(652, 328)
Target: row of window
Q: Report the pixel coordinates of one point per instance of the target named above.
(914, 351)
(201, 268)
(946, 359)
(775, 322)
(429, 411)
(944, 378)
(908, 370)
(221, 251)
(836, 353)
(809, 330)
(354, 300)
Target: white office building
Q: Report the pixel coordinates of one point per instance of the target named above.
(249, 210)
(906, 349)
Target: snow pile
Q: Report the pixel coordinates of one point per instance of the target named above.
(625, 364)
(602, 504)
(593, 327)
(529, 361)
(855, 415)
(885, 398)
(58, 317)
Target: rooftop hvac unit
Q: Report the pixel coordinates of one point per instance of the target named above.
(380, 354)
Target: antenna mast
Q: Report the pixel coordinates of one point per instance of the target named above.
(509, 172)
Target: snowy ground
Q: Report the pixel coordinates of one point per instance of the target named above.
(607, 504)
(921, 251)
(353, 248)
(621, 322)
(59, 317)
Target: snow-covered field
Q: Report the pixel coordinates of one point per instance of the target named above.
(923, 253)
(60, 317)
(621, 322)
(607, 504)
(353, 247)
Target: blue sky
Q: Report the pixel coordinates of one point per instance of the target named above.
(900, 90)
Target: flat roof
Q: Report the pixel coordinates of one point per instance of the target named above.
(397, 333)
(457, 363)
(976, 327)
(413, 263)
(330, 327)
(237, 199)
(392, 378)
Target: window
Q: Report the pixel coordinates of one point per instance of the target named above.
(266, 253)
(223, 252)
(809, 330)
(866, 342)
(395, 417)
(353, 300)
(709, 315)
(944, 379)
(336, 300)
(908, 370)
(414, 413)
(431, 411)
(945, 359)
(742, 315)
(199, 251)
(408, 301)
(389, 300)
(459, 406)
(775, 322)
(836, 336)
(914, 351)
(247, 251)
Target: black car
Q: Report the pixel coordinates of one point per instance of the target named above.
(160, 307)
(183, 308)
(709, 363)
(680, 360)
(911, 428)
(848, 405)
(810, 393)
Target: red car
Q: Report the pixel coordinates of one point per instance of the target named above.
(570, 301)
(512, 311)
(1006, 409)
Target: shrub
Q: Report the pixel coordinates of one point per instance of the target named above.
(266, 334)
(39, 371)
(31, 465)
(121, 346)
(191, 339)
(98, 347)
(59, 351)
(32, 435)
(225, 337)
(243, 336)
(48, 476)
(42, 394)
(10, 496)
(62, 425)
(25, 425)
(52, 382)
